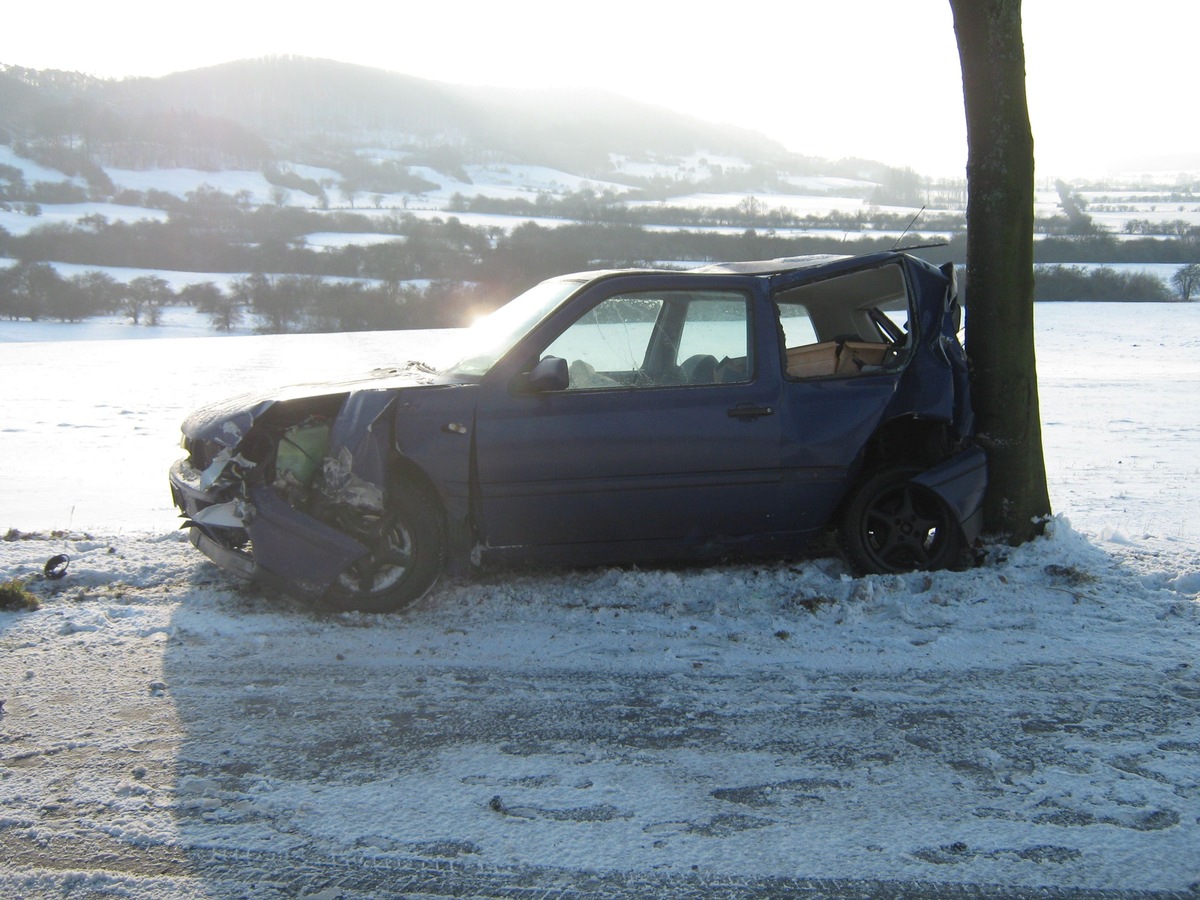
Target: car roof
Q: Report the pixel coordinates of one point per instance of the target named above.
(804, 265)
(770, 266)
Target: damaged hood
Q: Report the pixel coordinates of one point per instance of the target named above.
(227, 421)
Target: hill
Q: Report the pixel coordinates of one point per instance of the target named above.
(263, 110)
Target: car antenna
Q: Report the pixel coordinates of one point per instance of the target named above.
(908, 227)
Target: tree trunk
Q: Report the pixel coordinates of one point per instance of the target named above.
(999, 284)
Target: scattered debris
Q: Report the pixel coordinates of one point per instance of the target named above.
(56, 566)
(15, 534)
(1072, 575)
(813, 604)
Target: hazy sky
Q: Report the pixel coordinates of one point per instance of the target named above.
(1108, 80)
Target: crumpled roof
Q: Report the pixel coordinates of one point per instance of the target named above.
(769, 266)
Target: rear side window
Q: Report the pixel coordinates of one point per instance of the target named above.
(796, 325)
(848, 325)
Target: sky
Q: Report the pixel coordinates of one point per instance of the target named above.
(1108, 80)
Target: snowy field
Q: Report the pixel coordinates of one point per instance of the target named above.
(799, 195)
(1030, 728)
(1118, 384)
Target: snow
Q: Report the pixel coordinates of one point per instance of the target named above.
(805, 196)
(534, 179)
(183, 181)
(83, 401)
(33, 172)
(796, 204)
(498, 221)
(1114, 220)
(430, 208)
(17, 222)
(338, 240)
(1096, 363)
(174, 322)
(174, 277)
(504, 182)
(695, 165)
(313, 173)
(827, 185)
(169, 731)
(1112, 209)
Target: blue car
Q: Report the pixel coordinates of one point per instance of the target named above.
(614, 417)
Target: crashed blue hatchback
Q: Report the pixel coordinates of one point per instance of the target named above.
(614, 417)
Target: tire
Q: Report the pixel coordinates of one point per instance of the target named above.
(408, 554)
(889, 524)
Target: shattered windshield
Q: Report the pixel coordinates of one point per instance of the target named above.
(489, 338)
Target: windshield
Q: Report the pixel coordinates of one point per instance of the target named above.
(489, 338)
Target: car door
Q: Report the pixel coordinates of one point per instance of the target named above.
(667, 430)
(845, 349)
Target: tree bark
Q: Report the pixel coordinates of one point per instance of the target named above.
(999, 284)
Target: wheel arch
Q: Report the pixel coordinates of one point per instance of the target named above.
(905, 440)
(404, 473)
(453, 513)
(405, 470)
(909, 439)
(890, 522)
(406, 542)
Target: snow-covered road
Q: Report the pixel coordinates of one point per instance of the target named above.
(1032, 726)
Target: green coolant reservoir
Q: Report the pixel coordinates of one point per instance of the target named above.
(301, 450)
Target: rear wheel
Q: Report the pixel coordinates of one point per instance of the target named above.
(890, 524)
(407, 553)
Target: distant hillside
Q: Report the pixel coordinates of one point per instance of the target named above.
(260, 108)
(292, 98)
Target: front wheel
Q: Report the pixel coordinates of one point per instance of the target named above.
(890, 524)
(407, 553)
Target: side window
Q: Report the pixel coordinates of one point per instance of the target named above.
(796, 324)
(807, 355)
(714, 340)
(845, 326)
(657, 339)
(607, 346)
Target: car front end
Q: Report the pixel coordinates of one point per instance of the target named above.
(276, 487)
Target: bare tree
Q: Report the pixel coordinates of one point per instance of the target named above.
(1000, 191)
(750, 208)
(147, 295)
(1187, 280)
(224, 311)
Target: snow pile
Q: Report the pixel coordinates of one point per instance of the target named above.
(1062, 588)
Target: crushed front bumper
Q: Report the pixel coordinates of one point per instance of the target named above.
(275, 544)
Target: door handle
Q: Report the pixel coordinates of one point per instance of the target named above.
(746, 412)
